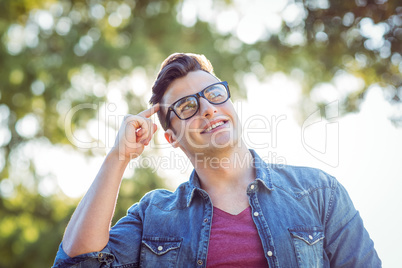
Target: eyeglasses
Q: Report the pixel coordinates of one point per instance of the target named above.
(188, 106)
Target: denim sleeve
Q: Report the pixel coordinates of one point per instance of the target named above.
(90, 260)
(348, 243)
(122, 249)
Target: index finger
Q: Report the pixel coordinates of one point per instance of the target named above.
(149, 112)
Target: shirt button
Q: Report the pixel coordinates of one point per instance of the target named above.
(199, 262)
(252, 187)
(206, 220)
(256, 214)
(160, 248)
(269, 253)
(311, 238)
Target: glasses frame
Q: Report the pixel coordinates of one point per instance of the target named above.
(197, 97)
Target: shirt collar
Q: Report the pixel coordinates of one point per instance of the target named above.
(262, 172)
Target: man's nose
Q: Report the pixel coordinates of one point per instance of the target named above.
(207, 109)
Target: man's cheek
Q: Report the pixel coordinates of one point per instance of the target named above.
(196, 123)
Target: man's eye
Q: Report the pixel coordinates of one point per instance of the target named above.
(189, 106)
(215, 95)
(186, 106)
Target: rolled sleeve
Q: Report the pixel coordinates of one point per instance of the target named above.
(348, 243)
(103, 258)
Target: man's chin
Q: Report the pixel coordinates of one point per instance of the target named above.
(222, 145)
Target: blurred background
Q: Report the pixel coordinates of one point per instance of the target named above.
(317, 81)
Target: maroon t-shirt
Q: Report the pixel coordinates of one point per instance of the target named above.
(235, 241)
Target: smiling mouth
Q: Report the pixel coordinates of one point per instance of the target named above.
(217, 124)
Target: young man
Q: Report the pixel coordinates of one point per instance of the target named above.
(235, 210)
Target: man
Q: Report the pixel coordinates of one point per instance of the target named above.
(235, 210)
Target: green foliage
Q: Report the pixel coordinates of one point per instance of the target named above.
(56, 55)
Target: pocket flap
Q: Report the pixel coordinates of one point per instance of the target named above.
(310, 235)
(161, 245)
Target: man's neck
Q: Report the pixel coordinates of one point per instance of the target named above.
(225, 176)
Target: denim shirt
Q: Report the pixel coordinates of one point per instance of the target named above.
(304, 218)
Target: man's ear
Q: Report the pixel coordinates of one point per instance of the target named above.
(171, 138)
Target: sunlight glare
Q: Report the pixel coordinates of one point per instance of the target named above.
(28, 126)
(44, 19)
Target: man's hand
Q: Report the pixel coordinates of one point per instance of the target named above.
(135, 132)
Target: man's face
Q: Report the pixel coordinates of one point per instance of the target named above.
(213, 127)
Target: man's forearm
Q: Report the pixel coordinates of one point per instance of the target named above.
(88, 229)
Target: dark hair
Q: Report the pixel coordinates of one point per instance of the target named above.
(175, 66)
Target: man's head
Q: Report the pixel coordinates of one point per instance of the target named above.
(200, 115)
(176, 66)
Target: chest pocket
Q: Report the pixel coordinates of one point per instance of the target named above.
(161, 251)
(308, 245)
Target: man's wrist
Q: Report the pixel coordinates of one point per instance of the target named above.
(116, 156)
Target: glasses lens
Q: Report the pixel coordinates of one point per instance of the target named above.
(216, 94)
(186, 107)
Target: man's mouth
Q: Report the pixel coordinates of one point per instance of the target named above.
(215, 125)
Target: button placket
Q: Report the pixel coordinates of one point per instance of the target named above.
(206, 222)
(260, 221)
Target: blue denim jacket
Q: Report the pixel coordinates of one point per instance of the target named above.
(304, 218)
